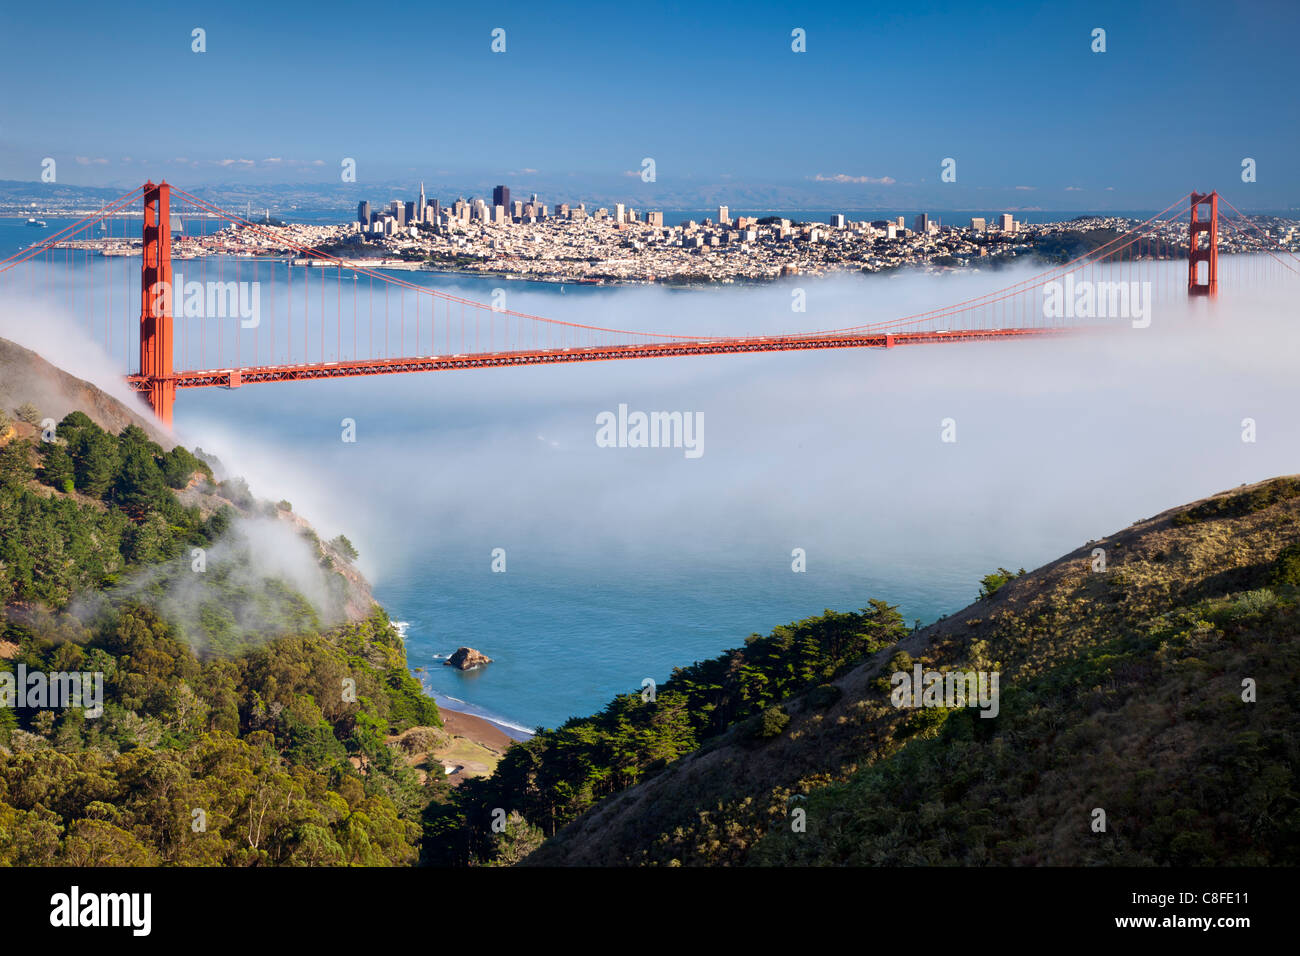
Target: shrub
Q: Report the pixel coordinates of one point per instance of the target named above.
(771, 722)
(179, 466)
(902, 661)
(1286, 568)
(1253, 603)
(29, 413)
(343, 546)
(824, 695)
(990, 583)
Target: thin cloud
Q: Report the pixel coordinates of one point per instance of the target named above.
(846, 178)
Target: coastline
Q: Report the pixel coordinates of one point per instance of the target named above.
(480, 730)
(477, 721)
(465, 747)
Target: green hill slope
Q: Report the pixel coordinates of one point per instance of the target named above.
(1121, 690)
(237, 685)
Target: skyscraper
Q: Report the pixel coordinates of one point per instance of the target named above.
(420, 204)
(363, 212)
(724, 216)
(501, 196)
(922, 224)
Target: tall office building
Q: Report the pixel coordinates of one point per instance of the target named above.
(1008, 222)
(363, 212)
(420, 204)
(501, 196)
(619, 213)
(922, 224)
(724, 216)
(977, 224)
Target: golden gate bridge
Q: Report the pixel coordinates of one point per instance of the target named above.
(437, 330)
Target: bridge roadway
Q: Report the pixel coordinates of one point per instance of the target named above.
(234, 378)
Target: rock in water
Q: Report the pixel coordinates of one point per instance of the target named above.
(466, 658)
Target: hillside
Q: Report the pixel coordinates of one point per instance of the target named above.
(1121, 689)
(27, 378)
(188, 674)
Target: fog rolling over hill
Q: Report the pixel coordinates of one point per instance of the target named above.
(26, 376)
(67, 427)
(189, 675)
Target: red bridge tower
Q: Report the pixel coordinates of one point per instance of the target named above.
(156, 302)
(1208, 252)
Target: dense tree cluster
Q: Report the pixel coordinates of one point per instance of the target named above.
(114, 509)
(558, 774)
(275, 755)
(280, 754)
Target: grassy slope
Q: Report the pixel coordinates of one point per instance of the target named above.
(1120, 690)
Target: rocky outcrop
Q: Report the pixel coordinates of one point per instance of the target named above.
(466, 658)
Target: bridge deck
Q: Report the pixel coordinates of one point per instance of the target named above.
(233, 378)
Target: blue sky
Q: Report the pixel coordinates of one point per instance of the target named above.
(711, 91)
